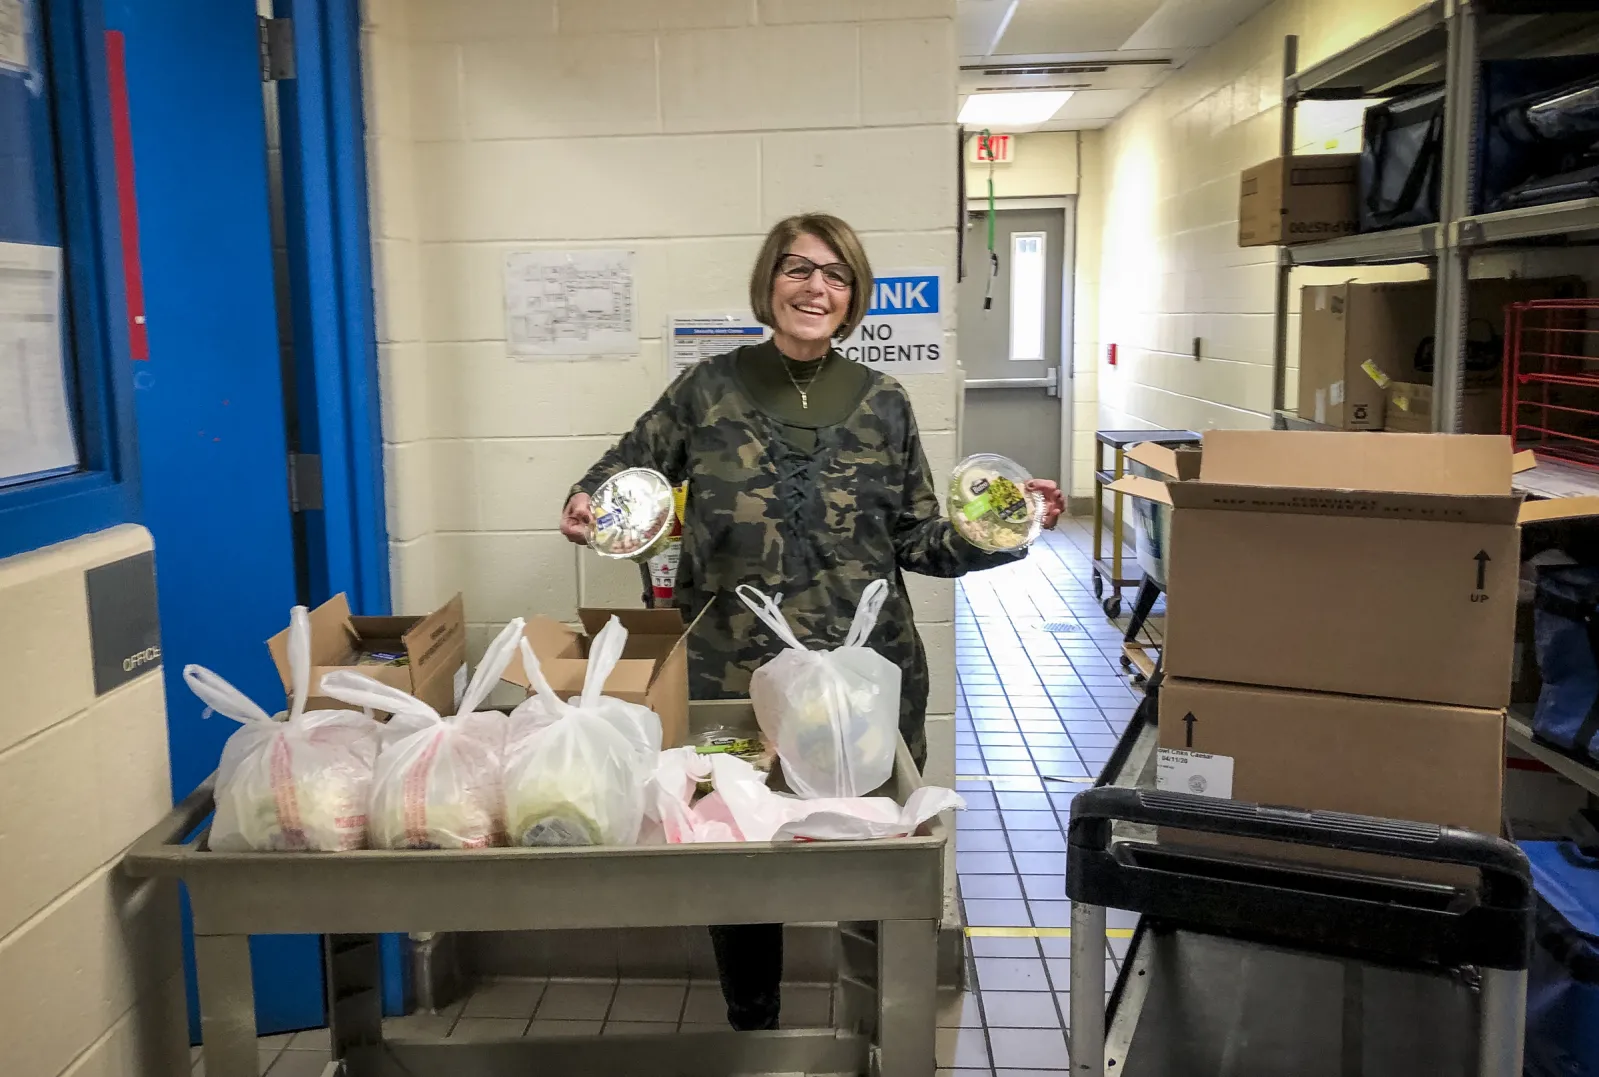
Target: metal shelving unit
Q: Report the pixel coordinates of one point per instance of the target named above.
(1444, 41)
(1518, 732)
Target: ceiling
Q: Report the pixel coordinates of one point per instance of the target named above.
(1108, 52)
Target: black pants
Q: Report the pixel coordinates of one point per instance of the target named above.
(749, 958)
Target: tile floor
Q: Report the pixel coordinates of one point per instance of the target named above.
(1041, 701)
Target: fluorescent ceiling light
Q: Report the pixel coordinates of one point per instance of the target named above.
(1019, 108)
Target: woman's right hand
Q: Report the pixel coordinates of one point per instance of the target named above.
(577, 519)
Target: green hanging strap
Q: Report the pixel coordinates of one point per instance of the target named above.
(985, 150)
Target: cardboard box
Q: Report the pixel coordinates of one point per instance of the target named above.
(1364, 564)
(653, 669)
(1356, 338)
(434, 646)
(1419, 761)
(1298, 199)
(1409, 408)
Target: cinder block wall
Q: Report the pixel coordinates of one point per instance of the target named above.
(678, 129)
(90, 981)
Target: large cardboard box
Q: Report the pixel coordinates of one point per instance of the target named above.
(434, 646)
(1409, 408)
(1364, 564)
(653, 669)
(1356, 338)
(1298, 199)
(1424, 762)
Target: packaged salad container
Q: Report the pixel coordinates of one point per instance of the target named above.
(990, 506)
(633, 514)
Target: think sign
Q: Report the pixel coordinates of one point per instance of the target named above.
(992, 149)
(903, 332)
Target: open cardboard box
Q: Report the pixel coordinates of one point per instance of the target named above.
(1425, 762)
(434, 646)
(1357, 563)
(653, 669)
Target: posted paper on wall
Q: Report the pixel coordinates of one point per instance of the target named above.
(903, 332)
(565, 304)
(692, 338)
(35, 422)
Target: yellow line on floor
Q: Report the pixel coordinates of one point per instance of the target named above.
(1039, 933)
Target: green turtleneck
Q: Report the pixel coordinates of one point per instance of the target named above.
(833, 388)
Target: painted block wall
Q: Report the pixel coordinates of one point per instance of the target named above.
(90, 980)
(680, 131)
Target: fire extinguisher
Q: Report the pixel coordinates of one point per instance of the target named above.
(663, 565)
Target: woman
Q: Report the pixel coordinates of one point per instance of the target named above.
(806, 476)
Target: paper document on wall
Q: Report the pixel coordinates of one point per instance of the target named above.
(13, 36)
(565, 304)
(691, 338)
(35, 422)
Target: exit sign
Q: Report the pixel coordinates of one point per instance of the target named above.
(995, 149)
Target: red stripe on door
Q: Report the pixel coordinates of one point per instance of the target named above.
(127, 200)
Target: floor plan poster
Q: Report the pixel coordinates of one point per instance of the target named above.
(35, 424)
(570, 303)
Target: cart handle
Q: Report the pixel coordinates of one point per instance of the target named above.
(185, 816)
(1490, 924)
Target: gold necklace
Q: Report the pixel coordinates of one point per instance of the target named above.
(804, 390)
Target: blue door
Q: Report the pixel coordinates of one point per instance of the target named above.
(210, 395)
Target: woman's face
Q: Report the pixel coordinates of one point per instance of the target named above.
(813, 307)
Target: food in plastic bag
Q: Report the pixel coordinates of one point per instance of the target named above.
(437, 781)
(990, 505)
(576, 772)
(633, 513)
(833, 716)
(742, 808)
(295, 782)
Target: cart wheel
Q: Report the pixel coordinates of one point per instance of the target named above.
(1138, 678)
(1127, 663)
(1099, 586)
(1112, 606)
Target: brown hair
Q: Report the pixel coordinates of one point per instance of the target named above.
(837, 235)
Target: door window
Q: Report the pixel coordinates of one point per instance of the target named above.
(1027, 276)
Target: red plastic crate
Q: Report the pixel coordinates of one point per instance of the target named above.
(1551, 389)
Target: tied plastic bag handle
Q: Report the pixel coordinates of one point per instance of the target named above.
(220, 697)
(299, 660)
(495, 658)
(359, 690)
(604, 653)
(866, 613)
(770, 613)
(537, 681)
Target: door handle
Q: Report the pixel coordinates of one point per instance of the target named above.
(1051, 382)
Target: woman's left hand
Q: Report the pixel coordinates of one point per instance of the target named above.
(1054, 500)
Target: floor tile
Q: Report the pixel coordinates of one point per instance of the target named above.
(1038, 841)
(515, 999)
(993, 946)
(1029, 1048)
(656, 1003)
(985, 841)
(1001, 913)
(313, 1039)
(1024, 801)
(990, 886)
(978, 819)
(575, 1001)
(488, 1028)
(1054, 913)
(553, 1029)
(1030, 820)
(705, 1005)
(299, 1064)
(1020, 1009)
(1011, 974)
(959, 1010)
(962, 1047)
(1046, 863)
(1045, 887)
(807, 1006)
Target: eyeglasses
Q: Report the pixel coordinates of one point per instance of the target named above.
(798, 267)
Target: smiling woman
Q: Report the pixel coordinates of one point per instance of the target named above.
(806, 476)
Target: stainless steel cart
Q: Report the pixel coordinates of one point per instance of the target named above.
(1253, 968)
(886, 895)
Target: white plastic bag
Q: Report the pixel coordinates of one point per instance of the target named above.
(576, 772)
(295, 782)
(437, 782)
(832, 715)
(742, 808)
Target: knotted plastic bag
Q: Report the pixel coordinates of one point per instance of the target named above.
(295, 782)
(575, 773)
(437, 781)
(833, 715)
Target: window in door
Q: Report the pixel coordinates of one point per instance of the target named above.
(1027, 276)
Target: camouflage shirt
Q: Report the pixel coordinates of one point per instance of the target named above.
(816, 527)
